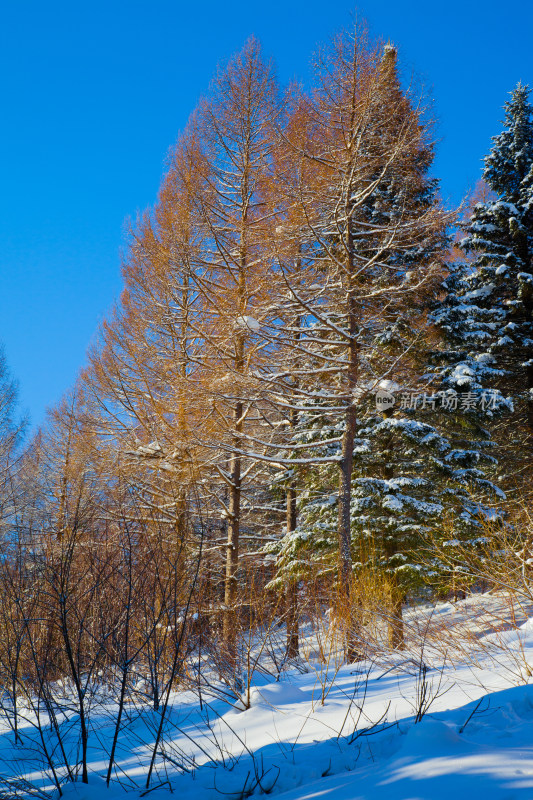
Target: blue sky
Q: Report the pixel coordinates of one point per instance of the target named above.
(94, 94)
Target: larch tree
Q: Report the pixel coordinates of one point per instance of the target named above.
(11, 434)
(358, 178)
(235, 126)
(144, 374)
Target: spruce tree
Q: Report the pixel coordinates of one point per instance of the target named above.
(486, 313)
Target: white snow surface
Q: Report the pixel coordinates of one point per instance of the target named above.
(361, 743)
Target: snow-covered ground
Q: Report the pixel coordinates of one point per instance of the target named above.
(348, 732)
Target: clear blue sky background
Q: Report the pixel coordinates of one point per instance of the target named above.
(94, 93)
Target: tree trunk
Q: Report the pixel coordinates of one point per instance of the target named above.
(232, 553)
(292, 588)
(345, 496)
(345, 481)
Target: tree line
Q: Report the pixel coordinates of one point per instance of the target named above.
(222, 461)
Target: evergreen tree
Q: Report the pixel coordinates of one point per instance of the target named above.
(487, 311)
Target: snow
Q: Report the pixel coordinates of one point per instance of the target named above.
(389, 386)
(332, 731)
(483, 291)
(434, 760)
(248, 322)
(392, 502)
(501, 205)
